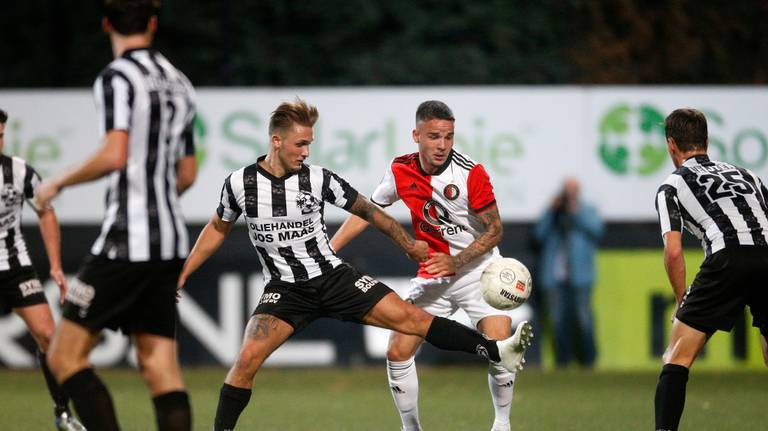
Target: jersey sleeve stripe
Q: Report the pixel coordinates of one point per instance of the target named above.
(327, 193)
(668, 209)
(31, 180)
(187, 146)
(117, 94)
(228, 209)
(484, 207)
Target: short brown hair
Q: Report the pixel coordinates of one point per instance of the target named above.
(433, 109)
(290, 113)
(130, 16)
(3, 116)
(688, 127)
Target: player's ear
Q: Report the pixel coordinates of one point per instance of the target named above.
(416, 135)
(276, 141)
(152, 25)
(106, 26)
(672, 145)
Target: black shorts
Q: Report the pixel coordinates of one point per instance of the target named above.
(727, 281)
(136, 297)
(20, 287)
(344, 294)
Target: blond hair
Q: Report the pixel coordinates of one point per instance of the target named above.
(290, 113)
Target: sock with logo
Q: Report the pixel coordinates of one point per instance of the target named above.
(404, 383)
(447, 334)
(172, 411)
(91, 400)
(60, 399)
(232, 401)
(501, 384)
(670, 397)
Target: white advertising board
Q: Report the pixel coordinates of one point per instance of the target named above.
(528, 138)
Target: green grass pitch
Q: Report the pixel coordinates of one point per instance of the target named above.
(452, 398)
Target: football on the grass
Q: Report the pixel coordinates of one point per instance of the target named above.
(505, 283)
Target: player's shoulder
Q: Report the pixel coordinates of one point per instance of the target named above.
(237, 178)
(18, 161)
(317, 171)
(673, 180)
(406, 159)
(463, 161)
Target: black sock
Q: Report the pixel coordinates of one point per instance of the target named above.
(670, 397)
(91, 400)
(232, 401)
(173, 412)
(60, 399)
(447, 334)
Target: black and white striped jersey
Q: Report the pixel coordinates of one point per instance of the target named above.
(722, 204)
(144, 94)
(285, 217)
(19, 181)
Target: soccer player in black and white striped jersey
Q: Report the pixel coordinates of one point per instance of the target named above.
(725, 207)
(146, 113)
(20, 289)
(282, 200)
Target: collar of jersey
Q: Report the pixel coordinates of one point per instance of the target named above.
(696, 160)
(269, 175)
(439, 170)
(128, 52)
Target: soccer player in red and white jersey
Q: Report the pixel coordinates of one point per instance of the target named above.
(454, 210)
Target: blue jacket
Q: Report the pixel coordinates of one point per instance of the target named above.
(583, 235)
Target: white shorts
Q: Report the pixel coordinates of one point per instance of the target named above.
(444, 296)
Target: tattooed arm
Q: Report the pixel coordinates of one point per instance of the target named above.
(441, 264)
(363, 208)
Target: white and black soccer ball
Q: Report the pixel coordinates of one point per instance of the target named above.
(505, 283)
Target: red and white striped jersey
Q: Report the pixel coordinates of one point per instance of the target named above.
(444, 206)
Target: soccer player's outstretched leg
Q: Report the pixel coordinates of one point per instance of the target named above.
(725, 207)
(462, 243)
(282, 200)
(129, 279)
(20, 289)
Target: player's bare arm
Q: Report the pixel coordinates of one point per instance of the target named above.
(49, 230)
(674, 263)
(186, 173)
(441, 264)
(212, 236)
(348, 231)
(366, 210)
(112, 156)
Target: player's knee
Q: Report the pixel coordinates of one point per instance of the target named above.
(43, 337)
(58, 363)
(417, 321)
(396, 352)
(248, 362)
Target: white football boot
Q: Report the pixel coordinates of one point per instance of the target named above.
(513, 348)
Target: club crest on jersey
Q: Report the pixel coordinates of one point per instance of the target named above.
(435, 213)
(10, 195)
(451, 192)
(307, 202)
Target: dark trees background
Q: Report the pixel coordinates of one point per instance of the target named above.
(405, 42)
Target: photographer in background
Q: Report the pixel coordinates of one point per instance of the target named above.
(568, 234)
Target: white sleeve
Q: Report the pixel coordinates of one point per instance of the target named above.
(386, 192)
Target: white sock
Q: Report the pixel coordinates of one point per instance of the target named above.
(404, 384)
(501, 384)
